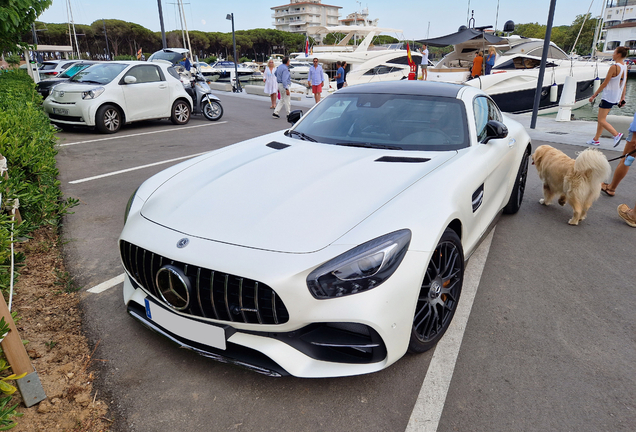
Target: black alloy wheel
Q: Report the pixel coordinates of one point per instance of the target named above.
(516, 196)
(439, 294)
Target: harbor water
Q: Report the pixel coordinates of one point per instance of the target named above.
(590, 112)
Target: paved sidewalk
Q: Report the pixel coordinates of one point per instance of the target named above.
(575, 132)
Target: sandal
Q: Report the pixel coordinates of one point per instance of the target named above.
(607, 190)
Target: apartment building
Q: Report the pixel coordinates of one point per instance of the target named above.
(299, 16)
(619, 27)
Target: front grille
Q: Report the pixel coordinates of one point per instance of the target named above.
(215, 294)
(65, 118)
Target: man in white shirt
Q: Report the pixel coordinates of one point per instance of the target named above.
(424, 65)
(316, 79)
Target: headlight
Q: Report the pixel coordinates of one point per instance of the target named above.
(361, 268)
(93, 93)
(129, 205)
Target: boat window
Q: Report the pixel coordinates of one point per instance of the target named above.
(381, 70)
(403, 122)
(404, 60)
(612, 45)
(485, 110)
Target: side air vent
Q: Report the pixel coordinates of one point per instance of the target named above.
(478, 198)
(277, 146)
(401, 159)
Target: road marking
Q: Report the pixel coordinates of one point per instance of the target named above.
(135, 168)
(108, 284)
(179, 129)
(430, 402)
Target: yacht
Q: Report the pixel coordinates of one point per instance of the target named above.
(223, 69)
(513, 80)
(366, 61)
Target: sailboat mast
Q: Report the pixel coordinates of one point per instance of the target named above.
(598, 31)
(186, 30)
(79, 57)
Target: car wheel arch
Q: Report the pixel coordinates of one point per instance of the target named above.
(116, 105)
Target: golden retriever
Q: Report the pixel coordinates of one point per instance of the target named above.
(576, 182)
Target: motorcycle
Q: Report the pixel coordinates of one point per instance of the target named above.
(202, 98)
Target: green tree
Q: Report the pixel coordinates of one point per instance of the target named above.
(16, 17)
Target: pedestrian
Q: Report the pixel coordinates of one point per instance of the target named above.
(316, 79)
(424, 63)
(478, 63)
(623, 166)
(490, 60)
(283, 78)
(271, 85)
(613, 89)
(344, 68)
(339, 75)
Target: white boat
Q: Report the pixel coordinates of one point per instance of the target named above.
(513, 80)
(366, 62)
(298, 70)
(224, 69)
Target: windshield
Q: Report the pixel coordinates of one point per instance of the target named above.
(99, 73)
(404, 122)
(70, 72)
(171, 56)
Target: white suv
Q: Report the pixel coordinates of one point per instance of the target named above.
(108, 95)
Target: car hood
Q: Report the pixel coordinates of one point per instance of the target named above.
(298, 199)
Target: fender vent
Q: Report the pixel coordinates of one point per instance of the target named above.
(277, 146)
(401, 159)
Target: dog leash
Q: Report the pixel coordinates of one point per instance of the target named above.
(621, 157)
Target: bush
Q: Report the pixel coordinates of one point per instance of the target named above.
(244, 60)
(125, 57)
(27, 141)
(210, 60)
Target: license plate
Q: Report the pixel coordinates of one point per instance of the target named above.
(186, 328)
(60, 111)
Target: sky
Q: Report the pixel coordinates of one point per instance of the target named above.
(418, 19)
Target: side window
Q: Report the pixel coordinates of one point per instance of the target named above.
(480, 107)
(485, 110)
(145, 73)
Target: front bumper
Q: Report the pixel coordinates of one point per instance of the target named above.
(79, 113)
(352, 335)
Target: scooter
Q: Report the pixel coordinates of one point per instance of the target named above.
(204, 101)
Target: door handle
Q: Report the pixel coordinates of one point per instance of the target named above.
(162, 86)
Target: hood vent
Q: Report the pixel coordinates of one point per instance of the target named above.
(402, 159)
(277, 146)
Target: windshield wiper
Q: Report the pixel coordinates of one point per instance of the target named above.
(302, 136)
(369, 145)
(88, 81)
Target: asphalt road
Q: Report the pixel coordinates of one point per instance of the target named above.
(549, 344)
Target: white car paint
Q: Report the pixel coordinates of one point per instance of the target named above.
(137, 100)
(276, 214)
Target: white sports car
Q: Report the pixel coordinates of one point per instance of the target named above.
(332, 248)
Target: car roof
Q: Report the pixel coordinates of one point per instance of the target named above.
(414, 87)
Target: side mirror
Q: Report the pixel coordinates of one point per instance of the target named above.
(294, 116)
(495, 130)
(129, 79)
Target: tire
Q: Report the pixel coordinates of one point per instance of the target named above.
(108, 119)
(180, 113)
(212, 110)
(439, 294)
(516, 196)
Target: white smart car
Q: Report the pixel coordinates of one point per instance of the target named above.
(332, 248)
(109, 95)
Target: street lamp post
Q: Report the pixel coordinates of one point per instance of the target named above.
(238, 88)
